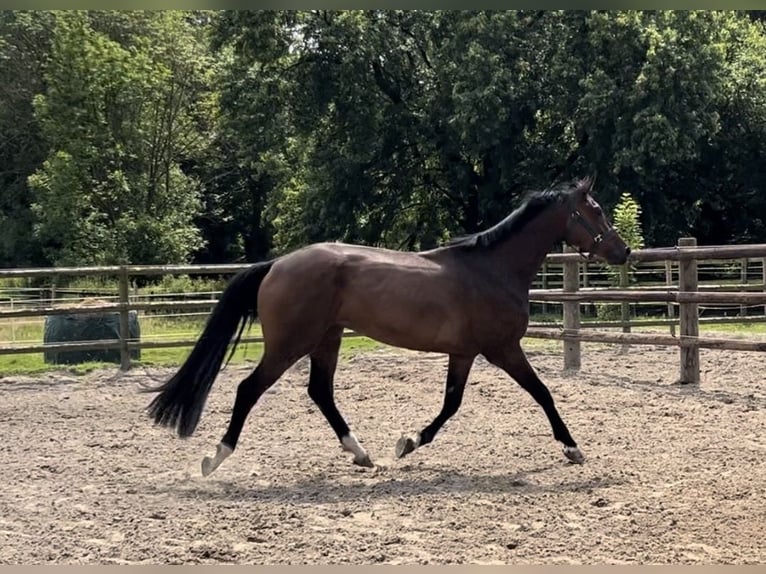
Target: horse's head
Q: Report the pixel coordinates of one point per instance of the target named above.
(589, 231)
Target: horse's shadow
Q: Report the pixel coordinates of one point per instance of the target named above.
(324, 489)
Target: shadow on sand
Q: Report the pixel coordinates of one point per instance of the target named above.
(324, 488)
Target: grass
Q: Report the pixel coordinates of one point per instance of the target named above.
(189, 327)
(152, 328)
(739, 329)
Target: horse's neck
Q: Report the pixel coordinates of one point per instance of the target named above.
(523, 254)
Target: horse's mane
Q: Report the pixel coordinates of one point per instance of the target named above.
(534, 203)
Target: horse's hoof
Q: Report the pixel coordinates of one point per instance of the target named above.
(364, 461)
(404, 446)
(349, 443)
(574, 454)
(208, 466)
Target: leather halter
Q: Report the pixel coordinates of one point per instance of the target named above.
(575, 217)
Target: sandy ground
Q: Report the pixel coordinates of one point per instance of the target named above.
(674, 474)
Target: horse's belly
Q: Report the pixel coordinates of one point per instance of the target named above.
(421, 326)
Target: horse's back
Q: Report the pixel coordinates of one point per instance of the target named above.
(363, 255)
(395, 297)
(400, 298)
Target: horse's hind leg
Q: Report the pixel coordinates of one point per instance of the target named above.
(514, 362)
(249, 391)
(457, 375)
(324, 360)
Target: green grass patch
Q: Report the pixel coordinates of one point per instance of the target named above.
(165, 328)
(32, 363)
(739, 329)
(153, 328)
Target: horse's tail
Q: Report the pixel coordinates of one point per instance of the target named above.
(181, 399)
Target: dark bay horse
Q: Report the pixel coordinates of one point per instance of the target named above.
(467, 298)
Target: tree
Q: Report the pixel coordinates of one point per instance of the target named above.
(120, 119)
(627, 223)
(24, 45)
(232, 135)
(402, 127)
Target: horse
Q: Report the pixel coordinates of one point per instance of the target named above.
(466, 298)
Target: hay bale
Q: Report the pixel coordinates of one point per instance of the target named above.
(88, 327)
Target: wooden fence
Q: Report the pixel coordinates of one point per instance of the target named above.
(687, 296)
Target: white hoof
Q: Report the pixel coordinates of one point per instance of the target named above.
(574, 454)
(351, 444)
(209, 464)
(364, 461)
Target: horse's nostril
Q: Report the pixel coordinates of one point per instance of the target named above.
(627, 250)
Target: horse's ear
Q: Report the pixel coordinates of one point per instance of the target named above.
(586, 184)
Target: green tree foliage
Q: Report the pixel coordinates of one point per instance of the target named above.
(401, 127)
(120, 116)
(24, 45)
(229, 135)
(627, 221)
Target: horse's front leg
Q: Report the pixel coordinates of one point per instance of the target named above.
(514, 362)
(457, 375)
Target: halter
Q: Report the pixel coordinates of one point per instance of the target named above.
(577, 218)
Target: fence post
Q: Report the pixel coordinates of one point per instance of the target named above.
(688, 314)
(669, 283)
(590, 307)
(571, 313)
(124, 290)
(544, 278)
(763, 278)
(625, 306)
(54, 280)
(743, 280)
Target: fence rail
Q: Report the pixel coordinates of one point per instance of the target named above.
(577, 287)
